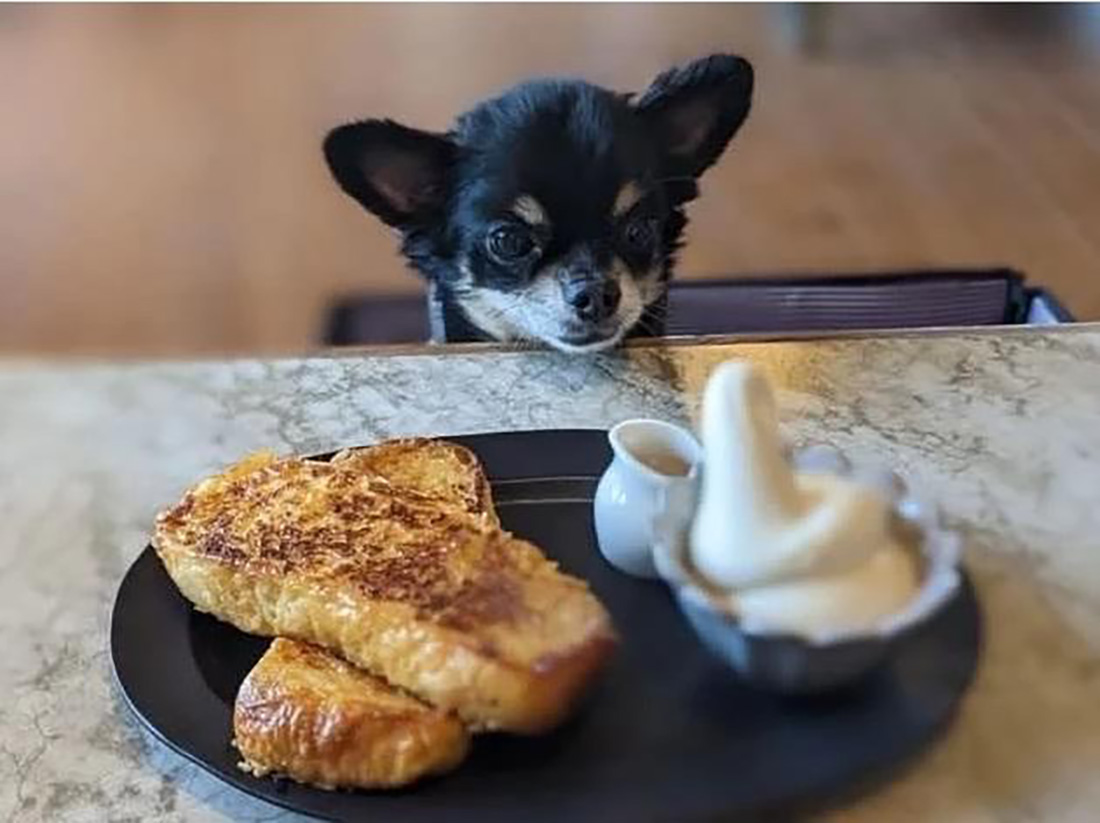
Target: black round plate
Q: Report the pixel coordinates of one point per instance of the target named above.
(668, 734)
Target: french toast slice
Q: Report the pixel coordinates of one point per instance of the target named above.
(439, 469)
(305, 713)
(414, 589)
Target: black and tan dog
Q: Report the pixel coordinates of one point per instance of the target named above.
(553, 212)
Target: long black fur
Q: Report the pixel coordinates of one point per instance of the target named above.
(574, 145)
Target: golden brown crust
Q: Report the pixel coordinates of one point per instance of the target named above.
(306, 714)
(435, 468)
(417, 591)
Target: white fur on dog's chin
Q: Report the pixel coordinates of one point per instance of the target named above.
(589, 348)
(539, 313)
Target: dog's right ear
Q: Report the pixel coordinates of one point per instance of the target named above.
(397, 173)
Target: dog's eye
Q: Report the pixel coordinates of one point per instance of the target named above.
(510, 243)
(640, 234)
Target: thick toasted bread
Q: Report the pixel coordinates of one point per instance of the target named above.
(304, 713)
(435, 468)
(421, 593)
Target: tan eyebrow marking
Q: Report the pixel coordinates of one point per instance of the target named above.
(530, 211)
(627, 198)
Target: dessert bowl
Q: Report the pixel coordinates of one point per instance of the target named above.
(823, 660)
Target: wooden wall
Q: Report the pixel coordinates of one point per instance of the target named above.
(162, 190)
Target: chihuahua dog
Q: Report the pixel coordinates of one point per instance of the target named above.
(552, 213)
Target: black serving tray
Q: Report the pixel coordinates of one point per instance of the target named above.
(669, 734)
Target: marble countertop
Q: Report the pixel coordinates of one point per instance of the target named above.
(1002, 426)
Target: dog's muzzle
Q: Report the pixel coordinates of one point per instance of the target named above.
(594, 298)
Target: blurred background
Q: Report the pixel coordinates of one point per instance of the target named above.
(162, 189)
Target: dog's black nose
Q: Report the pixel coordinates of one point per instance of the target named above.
(593, 300)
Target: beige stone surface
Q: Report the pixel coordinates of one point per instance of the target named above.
(1002, 427)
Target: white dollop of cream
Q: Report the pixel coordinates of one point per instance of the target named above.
(798, 553)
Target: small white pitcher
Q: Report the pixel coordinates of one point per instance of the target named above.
(652, 459)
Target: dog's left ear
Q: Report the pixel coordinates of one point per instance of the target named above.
(397, 173)
(695, 109)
